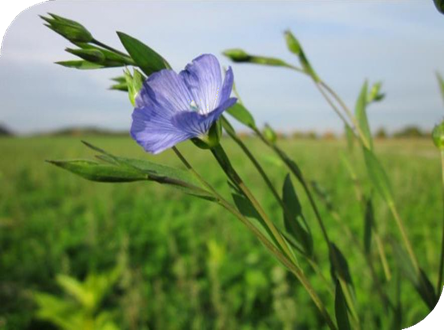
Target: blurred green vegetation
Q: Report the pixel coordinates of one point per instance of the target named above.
(184, 263)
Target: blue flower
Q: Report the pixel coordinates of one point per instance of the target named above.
(171, 107)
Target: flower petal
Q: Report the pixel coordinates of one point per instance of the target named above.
(204, 80)
(165, 90)
(155, 132)
(195, 124)
(227, 86)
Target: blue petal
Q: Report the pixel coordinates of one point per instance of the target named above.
(154, 132)
(165, 90)
(204, 80)
(195, 124)
(226, 87)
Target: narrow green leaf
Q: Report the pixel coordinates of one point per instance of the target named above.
(100, 172)
(146, 58)
(341, 309)
(120, 79)
(378, 176)
(342, 270)
(295, 47)
(240, 113)
(350, 136)
(294, 219)
(81, 65)
(368, 225)
(440, 81)
(419, 280)
(162, 174)
(361, 114)
(119, 87)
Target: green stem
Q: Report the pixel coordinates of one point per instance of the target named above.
(98, 43)
(273, 249)
(303, 182)
(222, 158)
(273, 190)
(441, 260)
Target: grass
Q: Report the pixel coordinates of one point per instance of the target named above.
(188, 264)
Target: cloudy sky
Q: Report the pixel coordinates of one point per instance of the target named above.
(398, 42)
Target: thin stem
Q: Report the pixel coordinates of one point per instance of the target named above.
(222, 158)
(98, 43)
(335, 108)
(350, 115)
(441, 260)
(273, 249)
(404, 236)
(303, 182)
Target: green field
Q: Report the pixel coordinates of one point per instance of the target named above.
(187, 263)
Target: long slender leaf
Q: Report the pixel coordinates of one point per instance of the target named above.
(100, 172)
(81, 65)
(368, 225)
(293, 218)
(239, 112)
(378, 175)
(146, 58)
(341, 309)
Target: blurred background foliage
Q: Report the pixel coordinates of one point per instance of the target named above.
(142, 256)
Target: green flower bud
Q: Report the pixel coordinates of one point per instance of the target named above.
(68, 29)
(237, 55)
(134, 84)
(212, 138)
(438, 136)
(374, 95)
(269, 134)
(91, 55)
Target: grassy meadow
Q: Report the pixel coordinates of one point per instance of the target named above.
(187, 263)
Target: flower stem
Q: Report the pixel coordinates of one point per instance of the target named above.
(299, 274)
(298, 174)
(441, 260)
(223, 160)
(98, 43)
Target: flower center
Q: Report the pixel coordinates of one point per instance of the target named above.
(194, 106)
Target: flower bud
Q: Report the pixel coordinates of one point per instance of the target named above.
(438, 136)
(237, 55)
(68, 29)
(91, 55)
(212, 138)
(134, 84)
(374, 95)
(269, 134)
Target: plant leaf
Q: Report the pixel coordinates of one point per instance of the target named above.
(361, 114)
(145, 57)
(341, 309)
(100, 172)
(368, 225)
(240, 113)
(81, 65)
(439, 77)
(293, 218)
(350, 137)
(378, 175)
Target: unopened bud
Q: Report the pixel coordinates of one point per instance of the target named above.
(67, 28)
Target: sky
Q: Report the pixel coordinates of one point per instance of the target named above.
(400, 43)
